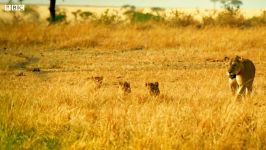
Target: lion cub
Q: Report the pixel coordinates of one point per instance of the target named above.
(98, 80)
(241, 73)
(153, 88)
(125, 87)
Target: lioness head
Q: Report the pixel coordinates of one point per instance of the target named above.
(235, 66)
(153, 88)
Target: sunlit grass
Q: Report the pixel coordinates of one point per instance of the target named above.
(60, 107)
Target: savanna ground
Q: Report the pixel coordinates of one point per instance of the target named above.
(48, 100)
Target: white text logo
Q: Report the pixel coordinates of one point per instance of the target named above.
(14, 7)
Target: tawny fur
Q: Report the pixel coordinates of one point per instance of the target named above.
(153, 88)
(241, 74)
(125, 87)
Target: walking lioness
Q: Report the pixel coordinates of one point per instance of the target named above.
(241, 74)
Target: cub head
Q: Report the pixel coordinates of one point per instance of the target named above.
(234, 67)
(153, 88)
(97, 79)
(125, 86)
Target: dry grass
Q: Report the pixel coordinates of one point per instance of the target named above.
(130, 37)
(60, 107)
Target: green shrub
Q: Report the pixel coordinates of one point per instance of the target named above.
(257, 20)
(182, 19)
(144, 17)
(108, 18)
(208, 20)
(85, 15)
(60, 16)
(231, 18)
(135, 16)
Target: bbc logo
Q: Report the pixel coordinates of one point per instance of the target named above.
(14, 7)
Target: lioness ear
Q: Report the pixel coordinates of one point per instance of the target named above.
(238, 58)
(241, 59)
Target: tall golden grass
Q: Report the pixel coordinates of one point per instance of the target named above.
(131, 36)
(61, 108)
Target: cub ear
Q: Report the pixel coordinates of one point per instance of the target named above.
(226, 59)
(237, 57)
(146, 84)
(241, 59)
(156, 84)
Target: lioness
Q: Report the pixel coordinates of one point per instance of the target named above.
(241, 74)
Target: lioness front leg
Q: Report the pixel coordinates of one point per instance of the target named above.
(249, 89)
(240, 92)
(233, 85)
